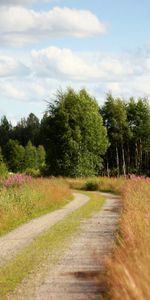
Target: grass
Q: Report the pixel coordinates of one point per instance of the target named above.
(103, 184)
(50, 244)
(129, 268)
(20, 204)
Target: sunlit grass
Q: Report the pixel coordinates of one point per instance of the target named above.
(129, 268)
(104, 184)
(22, 203)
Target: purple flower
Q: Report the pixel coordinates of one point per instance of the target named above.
(16, 180)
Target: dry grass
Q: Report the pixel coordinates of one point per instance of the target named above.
(129, 268)
(104, 184)
(22, 203)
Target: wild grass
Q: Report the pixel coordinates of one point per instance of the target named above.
(129, 268)
(51, 245)
(103, 184)
(20, 203)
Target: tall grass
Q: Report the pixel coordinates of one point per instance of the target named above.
(104, 184)
(22, 202)
(129, 268)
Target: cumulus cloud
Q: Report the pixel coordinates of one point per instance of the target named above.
(12, 67)
(20, 26)
(21, 2)
(65, 64)
(53, 67)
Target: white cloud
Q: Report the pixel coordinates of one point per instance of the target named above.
(12, 67)
(62, 64)
(65, 64)
(53, 67)
(20, 26)
(21, 2)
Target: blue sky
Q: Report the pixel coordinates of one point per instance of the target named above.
(100, 45)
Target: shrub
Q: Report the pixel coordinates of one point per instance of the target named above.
(32, 172)
(91, 185)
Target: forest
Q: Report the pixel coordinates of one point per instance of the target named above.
(76, 137)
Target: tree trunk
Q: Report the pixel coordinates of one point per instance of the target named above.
(123, 160)
(117, 159)
(136, 156)
(108, 171)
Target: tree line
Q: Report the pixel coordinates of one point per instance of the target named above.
(77, 137)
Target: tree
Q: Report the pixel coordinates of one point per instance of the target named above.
(3, 167)
(41, 156)
(27, 130)
(15, 156)
(115, 119)
(30, 160)
(5, 132)
(139, 122)
(75, 138)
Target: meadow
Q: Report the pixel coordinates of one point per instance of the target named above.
(23, 198)
(127, 270)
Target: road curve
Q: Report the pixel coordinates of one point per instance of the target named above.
(17, 239)
(76, 276)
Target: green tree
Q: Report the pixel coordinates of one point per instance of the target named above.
(5, 132)
(139, 121)
(30, 160)
(75, 138)
(115, 119)
(3, 167)
(15, 156)
(27, 130)
(41, 157)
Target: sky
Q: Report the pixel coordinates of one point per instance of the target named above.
(100, 45)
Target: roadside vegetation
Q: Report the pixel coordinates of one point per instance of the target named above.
(23, 198)
(128, 270)
(101, 184)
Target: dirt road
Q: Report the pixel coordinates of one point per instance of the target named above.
(76, 275)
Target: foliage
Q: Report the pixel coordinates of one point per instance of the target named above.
(91, 185)
(128, 125)
(32, 172)
(75, 138)
(3, 167)
(15, 156)
(30, 160)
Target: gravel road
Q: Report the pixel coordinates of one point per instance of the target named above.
(76, 275)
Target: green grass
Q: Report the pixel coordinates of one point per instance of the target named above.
(52, 243)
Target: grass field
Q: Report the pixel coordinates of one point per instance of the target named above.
(22, 202)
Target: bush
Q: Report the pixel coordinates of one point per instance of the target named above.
(91, 185)
(3, 170)
(32, 172)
